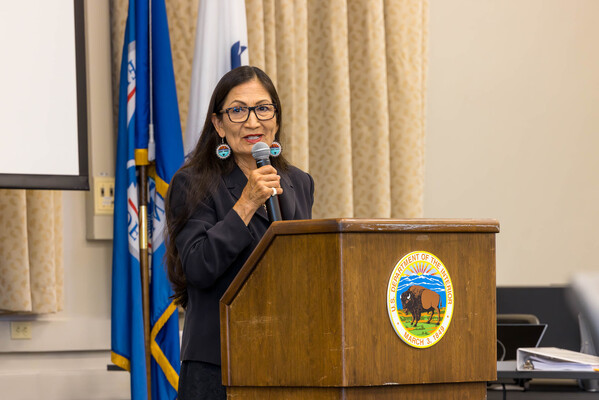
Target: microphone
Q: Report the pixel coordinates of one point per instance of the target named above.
(261, 153)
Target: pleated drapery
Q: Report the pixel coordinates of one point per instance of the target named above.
(352, 78)
(31, 245)
(351, 75)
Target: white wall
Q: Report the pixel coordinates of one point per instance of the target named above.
(70, 350)
(512, 129)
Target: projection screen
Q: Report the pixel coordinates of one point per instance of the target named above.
(43, 112)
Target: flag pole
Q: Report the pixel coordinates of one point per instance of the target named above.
(144, 266)
(144, 254)
(151, 142)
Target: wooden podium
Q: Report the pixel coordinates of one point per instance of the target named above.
(306, 317)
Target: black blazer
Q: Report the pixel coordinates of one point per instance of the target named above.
(214, 245)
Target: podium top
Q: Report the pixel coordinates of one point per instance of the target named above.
(339, 225)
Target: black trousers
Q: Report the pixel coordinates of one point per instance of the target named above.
(200, 381)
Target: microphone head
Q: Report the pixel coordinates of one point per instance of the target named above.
(261, 151)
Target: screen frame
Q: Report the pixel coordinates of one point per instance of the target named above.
(65, 182)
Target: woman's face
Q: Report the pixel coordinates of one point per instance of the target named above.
(241, 137)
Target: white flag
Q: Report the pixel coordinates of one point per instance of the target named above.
(221, 45)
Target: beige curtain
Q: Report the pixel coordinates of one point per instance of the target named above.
(351, 75)
(31, 240)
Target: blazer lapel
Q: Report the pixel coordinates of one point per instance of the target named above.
(287, 199)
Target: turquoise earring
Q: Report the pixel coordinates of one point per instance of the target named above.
(223, 151)
(275, 149)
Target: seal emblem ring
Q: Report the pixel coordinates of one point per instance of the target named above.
(420, 299)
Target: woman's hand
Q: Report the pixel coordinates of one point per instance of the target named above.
(259, 188)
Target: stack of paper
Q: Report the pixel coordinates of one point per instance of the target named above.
(554, 359)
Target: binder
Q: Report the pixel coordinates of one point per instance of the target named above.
(555, 359)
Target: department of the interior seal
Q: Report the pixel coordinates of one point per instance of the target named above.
(420, 285)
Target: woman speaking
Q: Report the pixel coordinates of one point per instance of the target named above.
(216, 214)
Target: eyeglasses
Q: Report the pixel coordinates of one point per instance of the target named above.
(263, 112)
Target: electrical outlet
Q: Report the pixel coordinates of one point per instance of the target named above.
(103, 195)
(20, 330)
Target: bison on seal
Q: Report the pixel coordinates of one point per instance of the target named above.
(417, 299)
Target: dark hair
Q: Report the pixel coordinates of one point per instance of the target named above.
(203, 169)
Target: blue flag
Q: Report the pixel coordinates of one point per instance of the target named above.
(169, 157)
(139, 144)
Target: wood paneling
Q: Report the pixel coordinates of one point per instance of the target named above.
(465, 353)
(284, 325)
(450, 391)
(309, 310)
